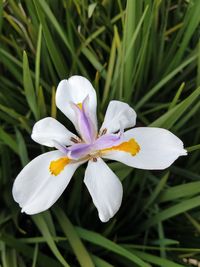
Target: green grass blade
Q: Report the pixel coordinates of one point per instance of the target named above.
(55, 54)
(100, 263)
(176, 97)
(78, 247)
(1, 14)
(50, 15)
(101, 241)
(129, 30)
(171, 212)
(37, 60)
(180, 191)
(155, 193)
(28, 87)
(110, 71)
(8, 140)
(155, 259)
(193, 148)
(43, 227)
(170, 117)
(163, 81)
(28, 251)
(22, 149)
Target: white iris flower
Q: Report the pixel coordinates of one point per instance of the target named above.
(43, 180)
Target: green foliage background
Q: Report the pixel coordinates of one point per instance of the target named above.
(143, 52)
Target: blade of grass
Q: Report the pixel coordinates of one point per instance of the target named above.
(129, 30)
(28, 251)
(154, 194)
(198, 66)
(78, 247)
(37, 60)
(101, 241)
(28, 87)
(170, 117)
(193, 148)
(45, 7)
(55, 54)
(176, 97)
(53, 103)
(22, 150)
(109, 72)
(178, 191)
(163, 81)
(100, 263)
(94, 61)
(155, 259)
(8, 140)
(43, 228)
(191, 22)
(171, 212)
(35, 256)
(41, 103)
(1, 15)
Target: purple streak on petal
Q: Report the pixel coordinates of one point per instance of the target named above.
(80, 150)
(107, 140)
(60, 147)
(85, 124)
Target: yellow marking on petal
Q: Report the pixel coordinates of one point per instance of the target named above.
(130, 146)
(56, 166)
(80, 105)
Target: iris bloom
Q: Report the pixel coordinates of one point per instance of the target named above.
(43, 180)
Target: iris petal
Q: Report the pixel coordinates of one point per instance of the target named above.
(85, 124)
(48, 130)
(75, 90)
(107, 141)
(118, 115)
(79, 150)
(105, 188)
(36, 189)
(158, 149)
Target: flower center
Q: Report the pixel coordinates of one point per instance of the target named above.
(57, 166)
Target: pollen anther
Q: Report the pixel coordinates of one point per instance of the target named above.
(75, 140)
(104, 131)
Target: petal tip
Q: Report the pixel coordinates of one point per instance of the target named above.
(33, 137)
(184, 152)
(104, 220)
(23, 210)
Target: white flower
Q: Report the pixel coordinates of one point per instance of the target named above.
(43, 180)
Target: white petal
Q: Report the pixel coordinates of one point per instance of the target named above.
(159, 148)
(75, 90)
(105, 188)
(118, 115)
(49, 129)
(36, 189)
